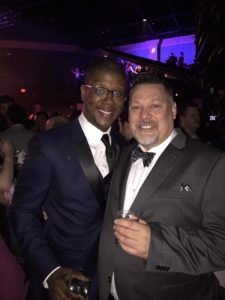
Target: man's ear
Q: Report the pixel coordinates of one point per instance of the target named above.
(83, 92)
(174, 110)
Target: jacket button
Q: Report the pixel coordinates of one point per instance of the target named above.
(117, 243)
(109, 279)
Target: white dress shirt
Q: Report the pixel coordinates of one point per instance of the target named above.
(137, 175)
(93, 136)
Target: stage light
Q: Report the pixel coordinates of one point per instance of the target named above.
(8, 17)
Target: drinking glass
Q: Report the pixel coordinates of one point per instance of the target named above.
(126, 214)
(78, 286)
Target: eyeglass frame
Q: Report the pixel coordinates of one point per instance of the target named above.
(109, 91)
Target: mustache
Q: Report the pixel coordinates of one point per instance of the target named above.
(148, 123)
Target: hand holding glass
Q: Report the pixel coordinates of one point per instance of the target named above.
(78, 286)
(126, 214)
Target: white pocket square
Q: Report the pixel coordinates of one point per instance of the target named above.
(185, 188)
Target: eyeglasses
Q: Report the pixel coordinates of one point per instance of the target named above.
(102, 93)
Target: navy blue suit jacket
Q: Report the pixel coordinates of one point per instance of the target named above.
(59, 174)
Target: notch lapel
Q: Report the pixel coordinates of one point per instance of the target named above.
(162, 169)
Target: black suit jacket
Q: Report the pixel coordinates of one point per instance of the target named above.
(187, 226)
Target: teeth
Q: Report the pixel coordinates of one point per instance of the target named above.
(105, 112)
(146, 126)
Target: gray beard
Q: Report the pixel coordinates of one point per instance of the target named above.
(147, 142)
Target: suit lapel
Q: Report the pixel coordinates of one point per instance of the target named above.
(160, 171)
(87, 163)
(124, 169)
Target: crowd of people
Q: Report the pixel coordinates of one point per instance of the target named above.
(61, 190)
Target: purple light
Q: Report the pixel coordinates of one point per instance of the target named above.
(176, 45)
(143, 49)
(185, 44)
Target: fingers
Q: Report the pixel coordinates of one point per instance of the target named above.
(133, 237)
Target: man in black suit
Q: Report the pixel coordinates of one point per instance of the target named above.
(64, 173)
(174, 238)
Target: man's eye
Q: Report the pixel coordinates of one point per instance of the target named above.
(135, 108)
(99, 90)
(118, 94)
(156, 106)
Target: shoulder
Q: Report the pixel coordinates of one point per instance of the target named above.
(203, 148)
(194, 146)
(59, 133)
(58, 137)
(203, 156)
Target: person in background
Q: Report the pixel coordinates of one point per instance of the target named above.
(189, 119)
(172, 60)
(18, 133)
(6, 170)
(5, 102)
(174, 238)
(56, 120)
(40, 119)
(66, 173)
(124, 126)
(13, 284)
(180, 61)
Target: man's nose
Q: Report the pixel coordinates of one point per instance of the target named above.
(146, 113)
(109, 96)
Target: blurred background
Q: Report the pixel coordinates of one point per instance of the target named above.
(45, 47)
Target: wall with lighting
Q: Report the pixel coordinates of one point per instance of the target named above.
(161, 51)
(39, 78)
(185, 44)
(146, 49)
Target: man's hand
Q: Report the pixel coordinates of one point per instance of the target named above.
(58, 287)
(133, 236)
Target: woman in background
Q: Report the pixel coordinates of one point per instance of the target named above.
(13, 285)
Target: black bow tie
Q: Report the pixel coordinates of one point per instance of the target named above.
(146, 156)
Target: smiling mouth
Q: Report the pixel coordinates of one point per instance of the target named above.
(146, 127)
(105, 113)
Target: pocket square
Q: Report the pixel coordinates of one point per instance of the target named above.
(185, 188)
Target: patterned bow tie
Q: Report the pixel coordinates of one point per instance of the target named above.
(146, 156)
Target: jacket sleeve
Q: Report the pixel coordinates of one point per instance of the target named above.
(198, 250)
(29, 197)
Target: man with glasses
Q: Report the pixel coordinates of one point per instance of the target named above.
(65, 172)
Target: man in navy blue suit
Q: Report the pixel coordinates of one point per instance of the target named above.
(65, 172)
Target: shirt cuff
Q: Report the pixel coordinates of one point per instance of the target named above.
(45, 284)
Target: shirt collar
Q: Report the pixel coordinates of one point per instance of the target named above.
(92, 133)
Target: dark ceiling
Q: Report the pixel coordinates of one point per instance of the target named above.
(96, 23)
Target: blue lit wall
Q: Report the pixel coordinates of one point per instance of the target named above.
(176, 45)
(146, 49)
